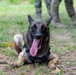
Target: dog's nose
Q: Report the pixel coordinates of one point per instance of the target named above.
(38, 35)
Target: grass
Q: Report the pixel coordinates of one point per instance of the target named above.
(15, 1)
(13, 20)
(1, 72)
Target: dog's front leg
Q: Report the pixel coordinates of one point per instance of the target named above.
(20, 60)
(53, 60)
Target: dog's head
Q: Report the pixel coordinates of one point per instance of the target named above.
(38, 31)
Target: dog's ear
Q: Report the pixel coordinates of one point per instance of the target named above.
(48, 21)
(30, 19)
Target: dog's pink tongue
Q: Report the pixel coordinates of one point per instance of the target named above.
(34, 48)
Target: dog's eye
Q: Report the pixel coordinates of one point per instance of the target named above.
(35, 26)
(43, 28)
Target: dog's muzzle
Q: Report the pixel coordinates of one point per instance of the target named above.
(38, 35)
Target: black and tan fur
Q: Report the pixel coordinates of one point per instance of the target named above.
(38, 30)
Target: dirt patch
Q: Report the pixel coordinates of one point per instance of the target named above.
(2, 58)
(68, 63)
(66, 36)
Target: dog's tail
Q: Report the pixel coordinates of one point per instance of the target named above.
(10, 64)
(4, 62)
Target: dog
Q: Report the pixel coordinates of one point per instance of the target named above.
(36, 47)
(33, 47)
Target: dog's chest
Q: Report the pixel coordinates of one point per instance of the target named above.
(39, 58)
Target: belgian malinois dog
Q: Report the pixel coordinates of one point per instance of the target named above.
(36, 47)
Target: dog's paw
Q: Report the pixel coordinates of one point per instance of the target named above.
(51, 65)
(14, 65)
(55, 71)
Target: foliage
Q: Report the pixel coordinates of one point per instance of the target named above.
(15, 1)
(31, 1)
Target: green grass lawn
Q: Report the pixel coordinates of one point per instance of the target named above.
(13, 20)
